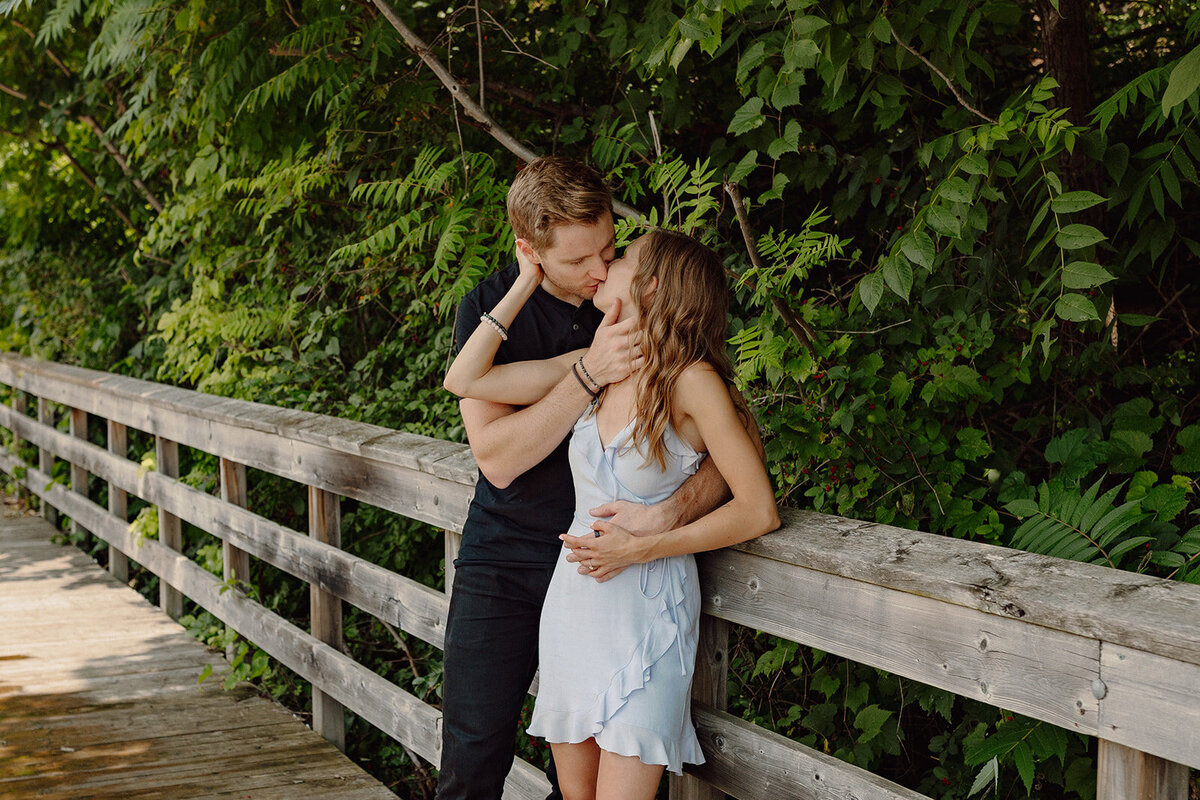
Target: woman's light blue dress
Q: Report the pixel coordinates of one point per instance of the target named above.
(617, 657)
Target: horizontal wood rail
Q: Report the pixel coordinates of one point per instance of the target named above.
(1111, 654)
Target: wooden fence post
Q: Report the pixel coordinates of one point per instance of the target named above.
(1128, 774)
(118, 500)
(453, 542)
(235, 562)
(79, 475)
(709, 686)
(46, 458)
(19, 404)
(170, 532)
(325, 525)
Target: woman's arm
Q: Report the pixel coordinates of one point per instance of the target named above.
(700, 395)
(473, 373)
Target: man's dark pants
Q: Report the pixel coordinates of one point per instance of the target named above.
(491, 656)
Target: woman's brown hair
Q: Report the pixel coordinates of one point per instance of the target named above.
(682, 322)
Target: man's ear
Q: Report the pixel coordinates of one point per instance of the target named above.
(525, 247)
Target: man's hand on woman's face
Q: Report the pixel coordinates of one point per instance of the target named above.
(615, 353)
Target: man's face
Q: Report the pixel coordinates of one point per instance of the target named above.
(576, 263)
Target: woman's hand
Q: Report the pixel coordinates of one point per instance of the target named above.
(531, 271)
(607, 551)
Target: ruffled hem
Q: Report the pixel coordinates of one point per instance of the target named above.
(579, 724)
(649, 747)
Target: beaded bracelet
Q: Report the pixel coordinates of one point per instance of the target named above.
(591, 394)
(591, 380)
(495, 325)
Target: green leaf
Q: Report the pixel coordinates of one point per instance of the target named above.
(788, 143)
(1184, 80)
(988, 775)
(919, 249)
(956, 190)
(898, 275)
(744, 167)
(870, 721)
(1076, 236)
(776, 191)
(870, 290)
(1075, 308)
(974, 164)
(1137, 320)
(1023, 757)
(1021, 508)
(1075, 201)
(944, 222)
(755, 54)
(972, 444)
(1084, 275)
(748, 117)
(806, 26)
(690, 28)
(900, 388)
(787, 90)
(1188, 441)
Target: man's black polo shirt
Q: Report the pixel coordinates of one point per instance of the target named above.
(519, 525)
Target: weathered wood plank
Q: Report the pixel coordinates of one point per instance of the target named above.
(400, 601)
(525, 782)
(325, 609)
(1005, 662)
(397, 471)
(751, 763)
(1150, 703)
(170, 532)
(1126, 774)
(118, 499)
(1098, 602)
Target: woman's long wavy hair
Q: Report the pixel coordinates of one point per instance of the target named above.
(682, 322)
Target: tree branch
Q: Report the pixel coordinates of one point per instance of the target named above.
(798, 327)
(472, 109)
(119, 157)
(962, 101)
(61, 147)
(88, 120)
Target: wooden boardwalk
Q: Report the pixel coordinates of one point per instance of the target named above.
(99, 697)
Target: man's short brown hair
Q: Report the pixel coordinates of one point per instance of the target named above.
(553, 191)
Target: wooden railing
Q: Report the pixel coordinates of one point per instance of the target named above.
(1112, 654)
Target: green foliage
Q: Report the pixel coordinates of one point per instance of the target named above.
(972, 311)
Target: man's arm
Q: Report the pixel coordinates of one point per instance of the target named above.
(508, 440)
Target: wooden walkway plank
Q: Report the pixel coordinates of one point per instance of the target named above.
(100, 698)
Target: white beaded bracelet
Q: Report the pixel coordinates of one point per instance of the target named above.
(495, 325)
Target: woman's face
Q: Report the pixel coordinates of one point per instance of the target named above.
(616, 285)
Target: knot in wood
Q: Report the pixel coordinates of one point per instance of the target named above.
(752, 584)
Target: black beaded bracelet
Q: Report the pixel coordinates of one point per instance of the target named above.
(588, 375)
(591, 394)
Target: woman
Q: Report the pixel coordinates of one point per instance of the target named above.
(617, 656)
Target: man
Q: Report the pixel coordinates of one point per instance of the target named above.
(561, 214)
